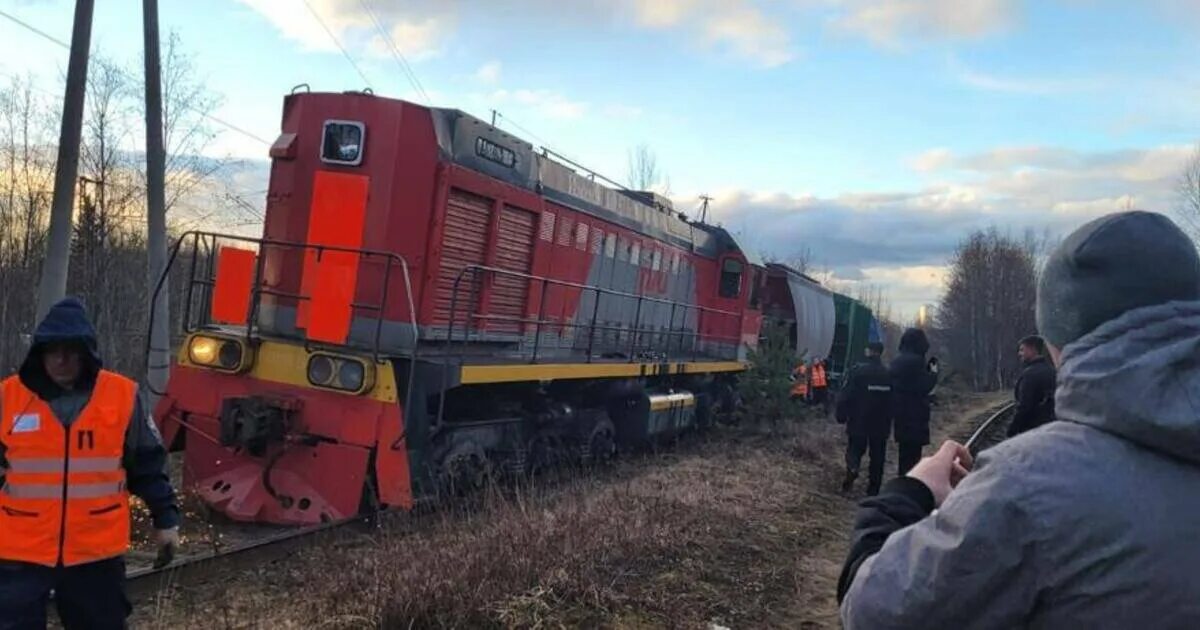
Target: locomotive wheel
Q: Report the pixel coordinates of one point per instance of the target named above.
(543, 455)
(726, 404)
(464, 470)
(601, 446)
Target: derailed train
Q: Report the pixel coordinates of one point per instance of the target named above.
(432, 301)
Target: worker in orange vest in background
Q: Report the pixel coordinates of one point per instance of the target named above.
(75, 440)
(820, 384)
(799, 380)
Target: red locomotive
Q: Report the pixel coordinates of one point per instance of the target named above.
(432, 301)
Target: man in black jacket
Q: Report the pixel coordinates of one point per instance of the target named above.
(863, 408)
(912, 381)
(1035, 388)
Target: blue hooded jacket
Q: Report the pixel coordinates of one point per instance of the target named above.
(145, 456)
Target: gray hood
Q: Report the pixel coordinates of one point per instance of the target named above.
(1138, 376)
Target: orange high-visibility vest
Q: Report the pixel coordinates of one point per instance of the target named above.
(64, 499)
(800, 374)
(818, 376)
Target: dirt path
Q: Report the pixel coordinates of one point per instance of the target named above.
(738, 529)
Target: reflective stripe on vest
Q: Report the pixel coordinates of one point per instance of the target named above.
(56, 464)
(55, 491)
(64, 498)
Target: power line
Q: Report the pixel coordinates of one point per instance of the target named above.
(337, 42)
(35, 29)
(542, 141)
(396, 54)
(527, 132)
(204, 114)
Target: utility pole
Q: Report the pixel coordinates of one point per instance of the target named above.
(159, 360)
(53, 284)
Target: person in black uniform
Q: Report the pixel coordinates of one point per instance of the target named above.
(1035, 388)
(863, 407)
(913, 379)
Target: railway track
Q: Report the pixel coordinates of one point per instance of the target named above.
(145, 583)
(992, 430)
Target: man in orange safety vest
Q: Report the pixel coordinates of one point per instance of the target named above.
(819, 384)
(75, 440)
(799, 380)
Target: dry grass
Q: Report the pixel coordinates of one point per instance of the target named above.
(738, 528)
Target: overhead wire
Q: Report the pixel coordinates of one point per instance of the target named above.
(35, 29)
(545, 146)
(405, 67)
(337, 42)
(202, 113)
(519, 127)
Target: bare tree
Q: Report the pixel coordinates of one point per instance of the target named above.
(987, 307)
(644, 173)
(27, 153)
(106, 243)
(107, 235)
(1189, 194)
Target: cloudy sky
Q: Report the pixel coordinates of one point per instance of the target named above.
(873, 133)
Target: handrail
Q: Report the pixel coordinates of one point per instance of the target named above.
(588, 287)
(593, 325)
(199, 237)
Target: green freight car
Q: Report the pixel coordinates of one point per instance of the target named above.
(854, 328)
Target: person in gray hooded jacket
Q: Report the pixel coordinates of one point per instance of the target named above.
(1086, 522)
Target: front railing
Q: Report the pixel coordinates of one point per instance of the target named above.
(204, 248)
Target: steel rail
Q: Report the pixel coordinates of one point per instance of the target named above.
(987, 425)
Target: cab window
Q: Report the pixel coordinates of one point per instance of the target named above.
(731, 278)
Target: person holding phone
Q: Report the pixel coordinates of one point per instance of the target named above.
(1085, 522)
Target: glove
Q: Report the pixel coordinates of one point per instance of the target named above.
(167, 541)
(933, 365)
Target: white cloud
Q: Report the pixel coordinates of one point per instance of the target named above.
(1036, 86)
(418, 39)
(662, 13)
(751, 35)
(1021, 167)
(896, 23)
(422, 28)
(489, 73)
(544, 102)
(417, 30)
(901, 240)
(740, 26)
(931, 160)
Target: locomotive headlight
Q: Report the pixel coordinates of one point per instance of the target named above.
(351, 376)
(346, 374)
(204, 350)
(321, 369)
(213, 352)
